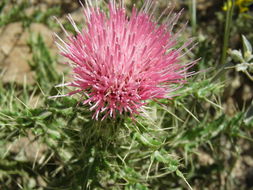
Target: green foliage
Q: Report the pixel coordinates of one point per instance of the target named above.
(19, 13)
(136, 155)
(43, 63)
(243, 58)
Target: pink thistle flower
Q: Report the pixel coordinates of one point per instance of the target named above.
(119, 63)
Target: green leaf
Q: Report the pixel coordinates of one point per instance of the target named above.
(248, 116)
(163, 157)
(247, 48)
(241, 67)
(147, 140)
(236, 56)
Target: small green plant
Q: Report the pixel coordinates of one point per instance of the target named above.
(243, 58)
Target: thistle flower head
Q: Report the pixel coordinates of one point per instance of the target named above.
(120, 62)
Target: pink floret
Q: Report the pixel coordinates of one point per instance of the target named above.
(121, 62)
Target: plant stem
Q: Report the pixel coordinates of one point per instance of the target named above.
(193, 10)
(229, 15)
(228, 22)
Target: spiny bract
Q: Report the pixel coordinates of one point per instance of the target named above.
(120, 62)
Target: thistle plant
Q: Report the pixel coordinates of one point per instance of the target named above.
(134, 115)
(121, 63)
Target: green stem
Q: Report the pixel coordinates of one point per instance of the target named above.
(193, 9)
(229, 16)
(228, 22)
